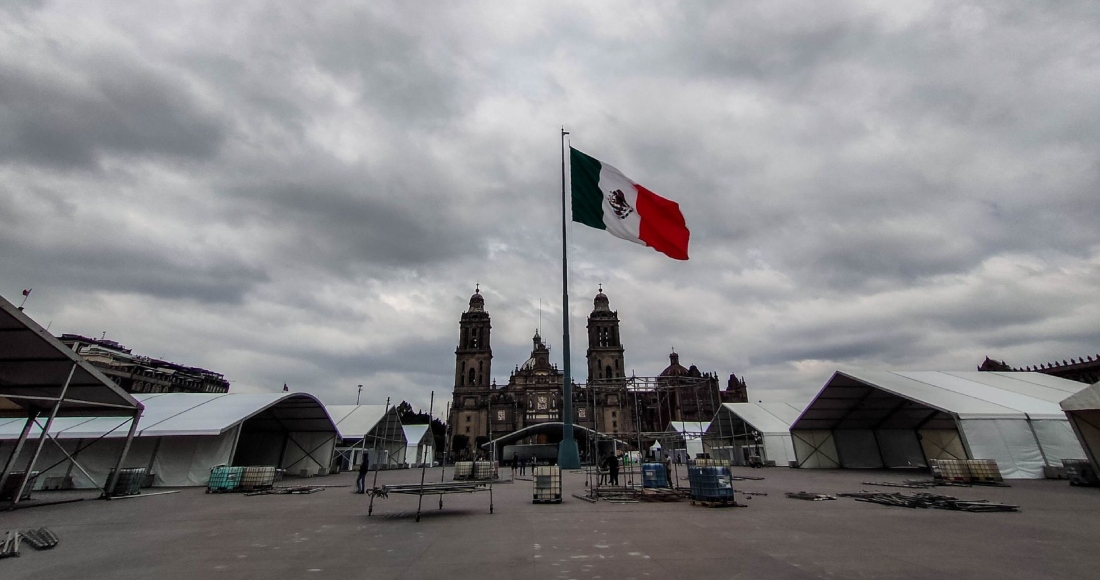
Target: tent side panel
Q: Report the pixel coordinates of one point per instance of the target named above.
(1007, 441)
(815, 448)
(186, 461)
(942, 444)
(308, 450)
(900, 448)
(779, 449)
(98, 459)
(1058, 440)
(857, 448)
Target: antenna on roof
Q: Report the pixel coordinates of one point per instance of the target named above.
(540, 316)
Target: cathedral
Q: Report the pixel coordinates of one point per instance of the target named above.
(610, 402)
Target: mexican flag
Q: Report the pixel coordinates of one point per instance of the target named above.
(605, 199)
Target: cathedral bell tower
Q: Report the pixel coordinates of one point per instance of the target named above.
(474, 355)
(605, 351)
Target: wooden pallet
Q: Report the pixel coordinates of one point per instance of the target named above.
(716, 503)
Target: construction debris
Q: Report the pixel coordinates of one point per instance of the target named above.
(810, 496)
(40, 539)
(10, 547)
(930, 500)
(300, 489)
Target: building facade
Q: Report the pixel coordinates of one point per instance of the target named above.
(141, 374)
(1080, 370)
(609, 402)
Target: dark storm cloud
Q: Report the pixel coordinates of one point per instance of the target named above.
(69, 118)
(309, 193)
(102, 264)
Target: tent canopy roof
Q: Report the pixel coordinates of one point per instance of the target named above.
(767, 418)
(417, 434)
(1086, 399)
(355, 422)
(177, 414)
(687, 427)
(34, 366)
(931, 399)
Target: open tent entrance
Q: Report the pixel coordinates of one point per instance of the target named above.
(294, 434)
(855, 424)
(874, 419)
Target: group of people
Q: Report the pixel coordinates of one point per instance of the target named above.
(520, 462)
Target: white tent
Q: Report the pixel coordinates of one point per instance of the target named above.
(370, 430)
(420, 444)
(183, 435)
(735, 427)
(867, 419)
(42, 380)
(1083, 411)
(688, 441)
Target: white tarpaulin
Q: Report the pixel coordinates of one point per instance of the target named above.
(900, 419)
(181, 436)
(734, 424)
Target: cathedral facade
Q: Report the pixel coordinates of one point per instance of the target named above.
(609, 402)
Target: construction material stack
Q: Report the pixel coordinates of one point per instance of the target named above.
(257, 477)
(129, 481)
(224, 478)
(1080, 472)
(547, 480)
(710, 485)
(654, 476)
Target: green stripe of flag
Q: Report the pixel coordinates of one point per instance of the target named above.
(587, 197)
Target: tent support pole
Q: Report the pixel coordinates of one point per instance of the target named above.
(72, 462)
(1038, 443)
(112, 481)
(42, 438)
(962, 437)
(18, 447)
(153, 457)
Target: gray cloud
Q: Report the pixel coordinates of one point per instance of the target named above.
(308, 194)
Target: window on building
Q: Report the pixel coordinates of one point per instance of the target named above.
(613, 414)
(468, 418)
(614, 424)
(467, 429)
(472, 376)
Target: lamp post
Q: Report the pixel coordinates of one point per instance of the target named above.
(358, 395)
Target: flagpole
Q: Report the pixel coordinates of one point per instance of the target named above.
(568, 455)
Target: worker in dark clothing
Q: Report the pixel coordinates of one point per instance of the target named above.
(613, 469)
(523, 465)
(361, 481)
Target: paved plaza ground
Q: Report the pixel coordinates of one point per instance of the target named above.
(192, 534)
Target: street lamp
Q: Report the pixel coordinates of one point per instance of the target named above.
(358, 394)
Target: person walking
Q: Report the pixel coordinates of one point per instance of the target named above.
(523, 465)
(515, 464)
(361, 481)
(613, 469)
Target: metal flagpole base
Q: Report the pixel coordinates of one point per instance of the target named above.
(568, 456)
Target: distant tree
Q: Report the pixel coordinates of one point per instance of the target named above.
(459, 443)
(439, 428)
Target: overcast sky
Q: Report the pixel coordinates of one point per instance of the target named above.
(307, 193)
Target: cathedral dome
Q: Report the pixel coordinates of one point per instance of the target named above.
(477, 303)
(600, 302)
